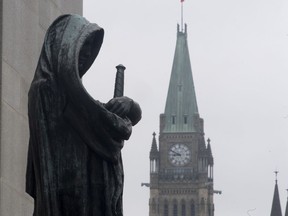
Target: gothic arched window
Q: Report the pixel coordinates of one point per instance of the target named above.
(166, 209)
(175, 208)
(183, 208)
(193, 211)
(153, 205)
(202, 204)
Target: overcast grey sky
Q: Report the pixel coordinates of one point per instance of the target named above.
(239, 52)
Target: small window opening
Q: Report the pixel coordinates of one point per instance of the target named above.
(185, 119)
(173, 119)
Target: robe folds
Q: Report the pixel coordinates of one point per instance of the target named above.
(74, 158)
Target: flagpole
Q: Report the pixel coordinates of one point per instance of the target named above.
(182, 15)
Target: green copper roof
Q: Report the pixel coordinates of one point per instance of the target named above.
(181, 104)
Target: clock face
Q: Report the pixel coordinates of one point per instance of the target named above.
(179, 155)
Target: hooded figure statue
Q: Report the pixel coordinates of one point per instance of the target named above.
(74, 159)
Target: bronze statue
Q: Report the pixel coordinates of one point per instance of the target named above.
(74, 158)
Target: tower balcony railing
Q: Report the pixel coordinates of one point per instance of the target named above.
(178, 174)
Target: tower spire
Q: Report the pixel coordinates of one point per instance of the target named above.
(181, 110)
(286, 211)
(276, 206)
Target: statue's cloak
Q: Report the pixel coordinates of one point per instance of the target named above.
(74, 159)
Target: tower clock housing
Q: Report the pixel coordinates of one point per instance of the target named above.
(181, 166)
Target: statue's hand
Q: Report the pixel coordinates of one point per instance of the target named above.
(135, 113)
(120, 106)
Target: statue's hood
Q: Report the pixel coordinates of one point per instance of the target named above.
(71, 45)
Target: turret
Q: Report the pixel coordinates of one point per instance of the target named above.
(206, 161)
(210, 161)
(154, 156)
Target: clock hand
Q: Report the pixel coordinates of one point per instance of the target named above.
(175, 153)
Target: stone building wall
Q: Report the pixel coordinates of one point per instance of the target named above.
(22, 28)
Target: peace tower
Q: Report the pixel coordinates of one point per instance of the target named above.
(181, 169)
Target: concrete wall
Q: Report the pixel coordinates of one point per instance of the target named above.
(24, 23)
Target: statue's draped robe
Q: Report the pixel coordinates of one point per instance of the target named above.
(74, 160)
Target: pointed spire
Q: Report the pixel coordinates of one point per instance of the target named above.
(154, 150)
(154, 144)
(276, 206)
(286, 211)
(209, 153)
(209, 150)
(181, 105)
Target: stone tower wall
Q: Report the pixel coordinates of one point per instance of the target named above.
(23, 26)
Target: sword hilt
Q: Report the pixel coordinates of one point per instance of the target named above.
(119, 81)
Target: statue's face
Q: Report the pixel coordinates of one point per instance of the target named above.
(85, 54)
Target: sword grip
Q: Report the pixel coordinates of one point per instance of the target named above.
(119, 81)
